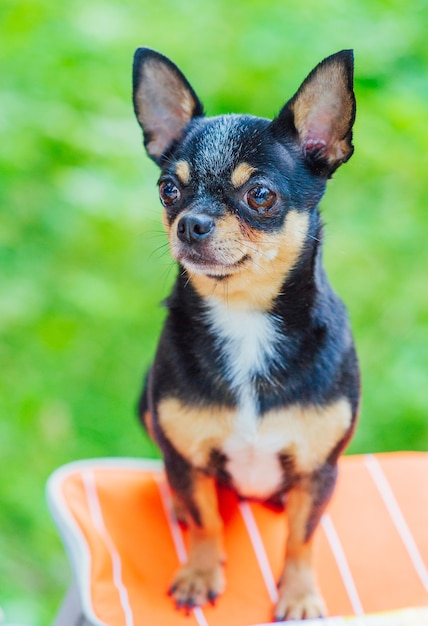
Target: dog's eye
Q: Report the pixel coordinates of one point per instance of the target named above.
(169, 193)
(260, 198)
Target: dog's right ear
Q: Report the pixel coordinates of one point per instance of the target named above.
(164, 101)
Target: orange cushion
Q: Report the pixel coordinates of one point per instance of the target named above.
(371, 549)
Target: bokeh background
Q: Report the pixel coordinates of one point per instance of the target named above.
(83, 263)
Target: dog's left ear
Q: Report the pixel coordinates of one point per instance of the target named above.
(321, 114)
(164, 101)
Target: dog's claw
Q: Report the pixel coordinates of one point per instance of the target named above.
(212, 597)
(189, 605)
(171, 590)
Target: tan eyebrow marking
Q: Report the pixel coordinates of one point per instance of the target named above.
(182, 169)
(241, 174)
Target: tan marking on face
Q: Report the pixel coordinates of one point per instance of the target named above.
(272, 256)
(241, 174)
(182, 170)
(195, 431)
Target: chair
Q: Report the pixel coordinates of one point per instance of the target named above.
(116, 520)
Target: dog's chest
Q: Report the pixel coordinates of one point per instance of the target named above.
(248, 345)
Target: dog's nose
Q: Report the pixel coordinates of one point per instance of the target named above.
(194, 228)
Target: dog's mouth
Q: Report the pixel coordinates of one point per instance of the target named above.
(216, 269)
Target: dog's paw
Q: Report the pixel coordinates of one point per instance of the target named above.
(295, 604)
(298, 598)
(194, 587)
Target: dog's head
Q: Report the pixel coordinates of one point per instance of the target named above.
(240, 192)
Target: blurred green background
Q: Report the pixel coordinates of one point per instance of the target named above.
(82, 258)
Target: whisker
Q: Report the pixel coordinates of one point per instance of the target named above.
(308, 235)
(154, 233)
(189, 276)
(160, 251)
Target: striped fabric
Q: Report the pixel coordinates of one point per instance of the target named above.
(371, 550)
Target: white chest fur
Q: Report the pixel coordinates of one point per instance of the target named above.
(248, 340)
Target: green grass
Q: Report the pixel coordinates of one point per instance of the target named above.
(83, 263)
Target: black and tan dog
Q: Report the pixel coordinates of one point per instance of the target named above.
(255, 382)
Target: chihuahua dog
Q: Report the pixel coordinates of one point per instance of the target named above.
(255, 383)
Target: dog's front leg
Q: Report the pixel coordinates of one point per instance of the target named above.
(201, 579)
(298, 594)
